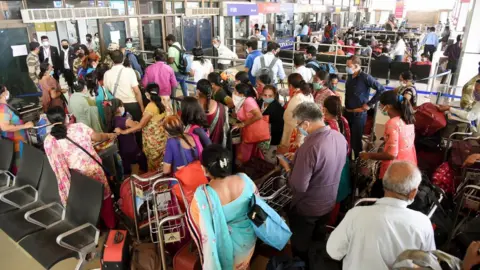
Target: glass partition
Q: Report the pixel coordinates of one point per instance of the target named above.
(205, 25)
(79, 3)
(152, 34)
(151, 6)
(114, 32)
(43, 4)
(10, 10)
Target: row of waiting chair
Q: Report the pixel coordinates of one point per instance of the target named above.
(32, 214)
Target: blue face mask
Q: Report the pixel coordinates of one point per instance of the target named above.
(349, 70)
(51, 73)
(303, 131)
(267, 100)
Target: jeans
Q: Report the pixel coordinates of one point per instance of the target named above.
(181, 80)
(429, 50)
(357, 125)
(305, 231)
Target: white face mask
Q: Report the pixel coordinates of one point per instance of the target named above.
(97, 39)
(216, 45)
(121, 111)
(238, 101)
(46, 43)
(7, 97)
(403, 84)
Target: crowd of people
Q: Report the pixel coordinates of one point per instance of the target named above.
(312, 137)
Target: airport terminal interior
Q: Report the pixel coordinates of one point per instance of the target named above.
(211, 134)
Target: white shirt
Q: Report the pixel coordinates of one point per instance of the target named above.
(126, 83)
(278, 71)
(472, 115)
(399, 48)
(46, 54)
(307, 73)
(65, 58)
(305, 30)
(371, 237)
(260, 39)
(224, 52)
(200, 70)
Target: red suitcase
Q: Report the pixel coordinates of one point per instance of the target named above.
(429, 120)
(116, 251)
(187, 258)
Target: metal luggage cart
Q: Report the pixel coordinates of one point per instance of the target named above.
(142, 191)
(366, 170)
(449, 141)
(275, 192)
(169, 224)
(468, 206)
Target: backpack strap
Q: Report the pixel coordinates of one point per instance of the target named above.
(215, 120)
(262, 62)
(116, 82)
(272, 64)
(179, 57)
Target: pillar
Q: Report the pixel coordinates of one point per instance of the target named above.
(470, 57)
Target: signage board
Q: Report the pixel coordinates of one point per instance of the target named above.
(242, 9)
(268, 8)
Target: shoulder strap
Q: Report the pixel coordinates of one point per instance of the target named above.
(215, 120)
(272, 64)
(92, 157)
(262, 62)
(116, 82)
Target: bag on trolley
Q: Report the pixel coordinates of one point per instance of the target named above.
(116, 251)
(145, 257)
(429, 120)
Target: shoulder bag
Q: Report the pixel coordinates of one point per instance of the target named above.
(258, 131)
(267, 224)
(190, 177)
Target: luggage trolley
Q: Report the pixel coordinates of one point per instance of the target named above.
(469, 202)
(275, 192)
(142, 197)
(169, 223)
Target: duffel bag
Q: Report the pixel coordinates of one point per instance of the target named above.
(444, 178)
(145, 256)
(429, 120)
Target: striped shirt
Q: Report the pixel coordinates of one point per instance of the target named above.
(33, 65)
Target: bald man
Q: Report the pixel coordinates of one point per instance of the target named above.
(371, 237)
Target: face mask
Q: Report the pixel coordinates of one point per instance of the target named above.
(317, 86)
(51, 72)
(97, 39)
(7, 97)
(410, 202)
(334, 88)
(89, 39)
(303, 131)
(349, 70)
(247, 52)
(403, 84)
(267, 100)
(129, 45)
(121, 111)
(65, 47)
(216, 45)
(476, 95)
(238, 101)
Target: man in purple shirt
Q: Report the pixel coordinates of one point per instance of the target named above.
(161, 74)
(314, 179)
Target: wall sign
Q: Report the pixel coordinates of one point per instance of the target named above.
(242, 9)
(268, 8)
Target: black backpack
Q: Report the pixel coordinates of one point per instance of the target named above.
(140, 60)
(182, 61)
(285, 263)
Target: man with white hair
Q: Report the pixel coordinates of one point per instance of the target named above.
(371, 237)
(225, 53)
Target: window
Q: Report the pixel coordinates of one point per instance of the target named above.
(151, 6)
(81, 3)
(152, 34)
(43, 4)
(10, 10)
(117, 6)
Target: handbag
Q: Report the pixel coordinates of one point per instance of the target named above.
(190, 177)
(267, 224)
(258, 131)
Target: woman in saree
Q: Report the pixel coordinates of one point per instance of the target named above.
(219, 211)
(217, 113)
(153, 132)
(248, 112)
(332, 111)
(66, 149)
(11, 126)
(95, 85)
(51, 90)
(299, 92)
(83, 106)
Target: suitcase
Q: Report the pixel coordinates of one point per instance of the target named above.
(429, 120)
(116, 251)
(187, 258)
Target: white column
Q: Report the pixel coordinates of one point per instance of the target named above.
(468, 66)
